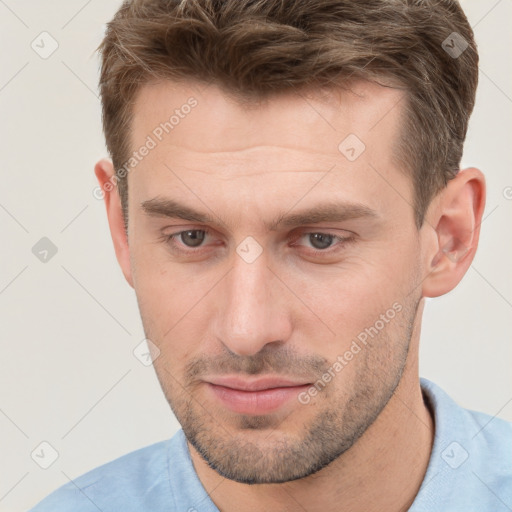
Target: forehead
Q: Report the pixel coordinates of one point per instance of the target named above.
(206, 144)
(219, 123)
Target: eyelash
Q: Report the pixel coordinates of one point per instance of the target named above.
(342, 241)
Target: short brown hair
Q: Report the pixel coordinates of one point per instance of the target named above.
(256, 48)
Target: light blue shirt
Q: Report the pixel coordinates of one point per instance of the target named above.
(470, 470)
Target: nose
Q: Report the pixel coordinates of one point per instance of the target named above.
(252, 311)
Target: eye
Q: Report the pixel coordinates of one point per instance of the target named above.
(322, 242)
(191, 238)
(190, 241)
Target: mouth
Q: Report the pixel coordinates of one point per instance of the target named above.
(257, 396)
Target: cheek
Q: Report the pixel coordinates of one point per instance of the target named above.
(354, 300)
(173, 306)
(333, 304)
(156, 281)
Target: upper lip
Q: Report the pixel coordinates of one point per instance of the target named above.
(258, 384)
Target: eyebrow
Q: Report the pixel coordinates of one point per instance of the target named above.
(327, 212)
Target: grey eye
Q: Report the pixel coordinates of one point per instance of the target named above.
(193, 237)
(320, 240)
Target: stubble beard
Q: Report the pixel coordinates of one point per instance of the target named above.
(254, 450)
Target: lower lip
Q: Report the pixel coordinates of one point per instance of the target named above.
(255, 402)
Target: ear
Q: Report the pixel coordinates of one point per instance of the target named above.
(456, 217)
(104, 171)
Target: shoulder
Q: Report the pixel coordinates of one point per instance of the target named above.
(127, 483)
(482, 433)
(470, 467)
(490, 449)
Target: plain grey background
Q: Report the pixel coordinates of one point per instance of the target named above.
(68, 328)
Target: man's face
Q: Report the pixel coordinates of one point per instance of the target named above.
(259, 290)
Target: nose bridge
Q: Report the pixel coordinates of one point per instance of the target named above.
(249, 316)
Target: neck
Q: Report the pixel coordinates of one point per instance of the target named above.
(382, 471)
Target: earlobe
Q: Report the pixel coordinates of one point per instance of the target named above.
(105, 175)
(456, 218)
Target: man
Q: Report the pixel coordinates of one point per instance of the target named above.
(284, 192)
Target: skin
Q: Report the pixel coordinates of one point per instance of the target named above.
(366, 438)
